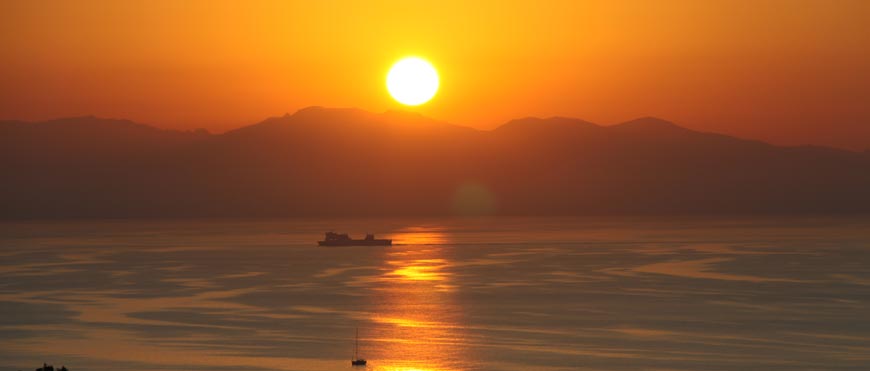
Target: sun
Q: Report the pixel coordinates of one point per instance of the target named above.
(412, 81)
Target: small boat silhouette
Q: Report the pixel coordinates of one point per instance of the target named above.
(48, 367)
(356, 360)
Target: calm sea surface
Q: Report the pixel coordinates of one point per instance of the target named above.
(452, 294)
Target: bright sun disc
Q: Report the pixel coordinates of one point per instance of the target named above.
(412, 81)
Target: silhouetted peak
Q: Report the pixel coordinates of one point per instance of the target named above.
(403, 114)
(309, 110)
(319, 112)
(307, 115)
(91, 123)
(325, 112)
(408, 117)
(647, 124)
(317, 119)
(537, 124)
(330, 116)
(95, 132)
(415, 118)
(402, 120)
(85, 118)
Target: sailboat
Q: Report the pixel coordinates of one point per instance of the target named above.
(357, 361)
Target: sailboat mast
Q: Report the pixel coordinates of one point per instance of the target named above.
(356, 345)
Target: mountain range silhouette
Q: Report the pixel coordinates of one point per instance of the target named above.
(349, 162)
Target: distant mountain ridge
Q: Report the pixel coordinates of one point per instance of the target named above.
(349, 162)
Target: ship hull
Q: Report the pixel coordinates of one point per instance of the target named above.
(356, 243)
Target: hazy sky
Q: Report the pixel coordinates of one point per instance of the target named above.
(783, 71)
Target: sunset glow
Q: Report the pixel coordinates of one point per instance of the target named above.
(773, 71)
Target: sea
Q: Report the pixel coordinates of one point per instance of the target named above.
(603, 293)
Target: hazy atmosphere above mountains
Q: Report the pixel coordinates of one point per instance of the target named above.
(329, 162)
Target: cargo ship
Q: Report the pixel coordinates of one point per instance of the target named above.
(342, 239)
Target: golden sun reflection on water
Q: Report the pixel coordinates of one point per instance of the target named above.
(420, 270)
(420, 236)
(421, 317)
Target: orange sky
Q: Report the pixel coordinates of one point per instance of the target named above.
(783, 71)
